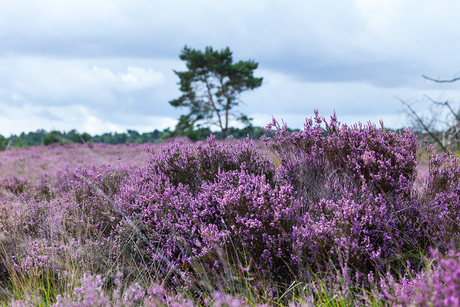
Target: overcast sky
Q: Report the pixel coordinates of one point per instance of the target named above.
(107, 65)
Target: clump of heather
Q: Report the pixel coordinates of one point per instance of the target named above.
(354, 184)
(440, 198)
(193, 164)
(438, 285)
(74, 227)
(209, 206)
(340, 159)
(13, 184)
(252, 215)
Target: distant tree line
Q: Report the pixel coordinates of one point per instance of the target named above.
(43, 137)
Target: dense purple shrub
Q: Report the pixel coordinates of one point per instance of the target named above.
(192, 164)
(14, 184)
(354, 185)
(75, 225)
(325, 164)
(194, 201)
(85, 200)
(242, 210)
(361, 236)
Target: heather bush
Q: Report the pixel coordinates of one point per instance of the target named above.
(94, 190)
(328, 163)
(192, 164)
(354, 184)
(243, 211)
(14, 184)
(194, 202)
(73, 227)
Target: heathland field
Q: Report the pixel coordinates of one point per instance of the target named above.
(347, 216)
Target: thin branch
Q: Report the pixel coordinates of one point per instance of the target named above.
(446, 103)
(441, 81)
(420, 121)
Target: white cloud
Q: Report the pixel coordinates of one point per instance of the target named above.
(94, 125)
(136, 78)
(57, 81)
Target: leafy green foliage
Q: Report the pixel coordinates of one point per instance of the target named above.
(211, 87)
(54, 137)
(76, 137)
(131, 136)
(3, 143)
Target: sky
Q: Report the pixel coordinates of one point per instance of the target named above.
(107, 65)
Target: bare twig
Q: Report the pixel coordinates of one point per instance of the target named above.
(420, 121)
(441, 81)
(446, 103)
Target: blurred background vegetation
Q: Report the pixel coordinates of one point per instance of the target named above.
(43, 137)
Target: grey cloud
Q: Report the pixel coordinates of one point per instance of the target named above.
(352, 56)
(379, 73)
(309, 41)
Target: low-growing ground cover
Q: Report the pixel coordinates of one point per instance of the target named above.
(343, 216)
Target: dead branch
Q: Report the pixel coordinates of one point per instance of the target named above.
(446, 103)
(420, 121)
(441, 81)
